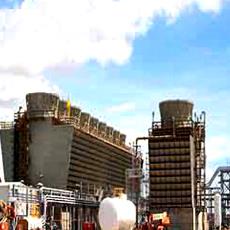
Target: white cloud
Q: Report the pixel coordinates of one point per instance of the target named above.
(14, 88)
(206, 5)
(218, 148)
(121, 108)
(217, 152)
(42, 34)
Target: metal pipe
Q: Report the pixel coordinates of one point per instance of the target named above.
(137, 193)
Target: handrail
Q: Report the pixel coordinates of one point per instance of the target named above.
(6, 125)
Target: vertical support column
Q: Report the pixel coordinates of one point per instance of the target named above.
(222, 195)
(78, 218)
(52, 214)
(228, 197)
(74, 218)
(192, 168)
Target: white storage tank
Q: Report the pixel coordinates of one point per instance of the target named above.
(116, 214)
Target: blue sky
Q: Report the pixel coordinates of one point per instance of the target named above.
(10, 4)
(182, 53)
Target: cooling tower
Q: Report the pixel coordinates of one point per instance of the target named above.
(177, 164)
(75, 112)
(122, 139)
(178, 110)
(46, 145)
(93, 125)
(84, 121)
(61, 108)
(116, 137)
(42, 104)
(109, 133)
(102, 129)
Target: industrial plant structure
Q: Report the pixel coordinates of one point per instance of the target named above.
(63, 147)
(77, 159)
(219, 185)
(177, 164)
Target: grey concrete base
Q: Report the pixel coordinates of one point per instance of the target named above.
(7, 143)
(181, 218)
(49, 150)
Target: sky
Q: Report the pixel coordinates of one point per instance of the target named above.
(117, 59)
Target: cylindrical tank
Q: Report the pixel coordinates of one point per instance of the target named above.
(109, 133)
(41, 104)
(102, 129)
(122, 139)
(175, 110)
(75, 112)
(94, 122)
(84, 120)
(217, 210)
(117, 213)
(116, 137)
(61, 107)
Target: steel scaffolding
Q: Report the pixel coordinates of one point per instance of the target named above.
(219, 183)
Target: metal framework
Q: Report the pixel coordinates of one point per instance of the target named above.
(69, 209)
(21, 142)
(220, 182)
